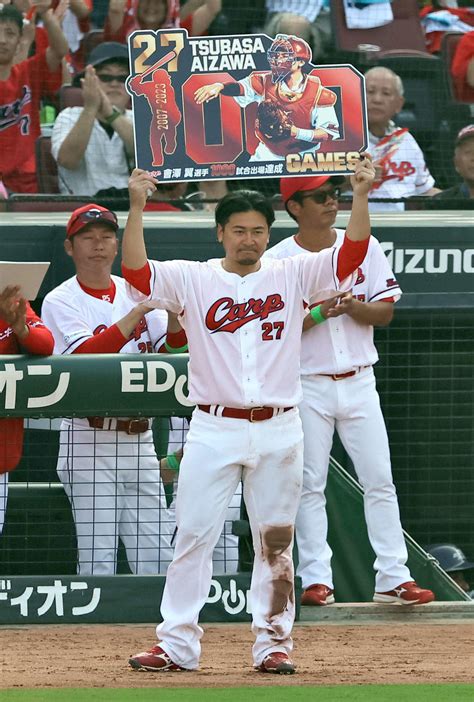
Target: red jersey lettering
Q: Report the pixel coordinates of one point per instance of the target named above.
(225, 315)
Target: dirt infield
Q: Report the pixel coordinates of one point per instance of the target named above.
(96, 656)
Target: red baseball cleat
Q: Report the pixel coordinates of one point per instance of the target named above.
(154, 660)
(277, 662)
(405, 594)
(317, 595)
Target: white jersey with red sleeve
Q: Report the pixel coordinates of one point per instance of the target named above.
(75, 316)
(341, 344)
(244, 333)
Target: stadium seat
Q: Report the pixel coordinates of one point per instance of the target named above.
(70, 96)
(405, 32)
(40, 203)
(448, 49)
(46, 167)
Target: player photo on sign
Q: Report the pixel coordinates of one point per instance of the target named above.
(208, 108)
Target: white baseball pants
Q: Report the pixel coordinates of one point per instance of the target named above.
(352, 407)
(113, 482)
(268, 457)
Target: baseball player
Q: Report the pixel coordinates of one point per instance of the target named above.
(21, 331)
(108, 466)
(243, 317)
(296, 113)
(339, 392)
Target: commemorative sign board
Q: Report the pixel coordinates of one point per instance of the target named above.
(246, 106)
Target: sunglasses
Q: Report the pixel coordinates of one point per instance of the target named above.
(90, 216)
(107, 78)
(321, 196)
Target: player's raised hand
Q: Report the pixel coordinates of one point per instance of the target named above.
(140, 186)
(364, 175)
(207, 92)
(13, 309)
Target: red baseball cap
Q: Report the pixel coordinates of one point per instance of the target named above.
(290, 186)
(90, 214)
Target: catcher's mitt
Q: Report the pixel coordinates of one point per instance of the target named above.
(273, 122)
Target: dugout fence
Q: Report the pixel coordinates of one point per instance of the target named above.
(39, 539)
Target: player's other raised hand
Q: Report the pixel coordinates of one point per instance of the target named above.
(364, 175)
(207, 92)
(140, 186)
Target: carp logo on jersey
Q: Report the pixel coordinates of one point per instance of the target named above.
(10, 113)
(225, 315)
(285, 50)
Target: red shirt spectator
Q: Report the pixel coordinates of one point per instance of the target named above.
(21, 332)
(462, 60)
(21, 88)
(434, 38)
(126, 16)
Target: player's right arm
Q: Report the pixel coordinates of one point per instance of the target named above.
(245, 91)
(140, 186)
(165, 283)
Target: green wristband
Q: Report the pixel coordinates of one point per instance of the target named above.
(317, 315)
(173, 461)
(171, 349)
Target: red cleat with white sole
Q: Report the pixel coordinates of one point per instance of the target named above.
(154, 660)
(317, 596)
(405, 594)
(278, 663)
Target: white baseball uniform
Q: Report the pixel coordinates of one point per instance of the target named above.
(352, 406)
(112, 478)
(244, 336)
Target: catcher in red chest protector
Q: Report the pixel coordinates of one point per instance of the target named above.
(296, 113)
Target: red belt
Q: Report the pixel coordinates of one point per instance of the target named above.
(254, 414)
(341, 376)
(129, 426)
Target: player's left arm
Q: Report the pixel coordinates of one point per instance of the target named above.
(375, 314)
(58, 46)
(325, 126)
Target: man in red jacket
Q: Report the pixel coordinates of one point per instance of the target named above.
(21, 331)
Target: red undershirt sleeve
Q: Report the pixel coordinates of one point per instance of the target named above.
(109, 341)
(139, 278)
(39, 341)
(351, 255)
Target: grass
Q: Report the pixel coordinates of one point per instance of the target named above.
(283, 693)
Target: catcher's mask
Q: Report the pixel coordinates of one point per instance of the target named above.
(283, 52)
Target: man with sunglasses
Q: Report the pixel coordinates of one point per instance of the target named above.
(339, 392)
(108, 466)
(93, 144)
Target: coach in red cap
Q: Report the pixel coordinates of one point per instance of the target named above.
(108, 466)
(339, 392)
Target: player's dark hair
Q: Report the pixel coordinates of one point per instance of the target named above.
(243, 201)
(9, 13)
